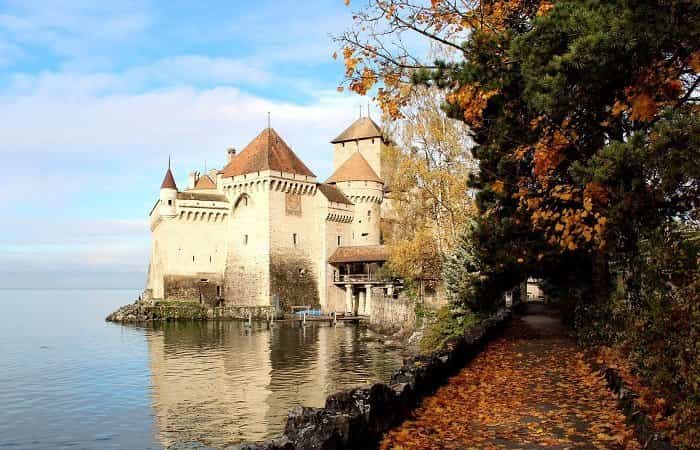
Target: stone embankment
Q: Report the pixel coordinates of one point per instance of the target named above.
(357, 418)
(143, 311)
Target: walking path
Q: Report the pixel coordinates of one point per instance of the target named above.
(529, 389)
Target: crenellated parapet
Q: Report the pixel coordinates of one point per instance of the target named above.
(339, 217)
(202, 216)
(357, 199)
(266, 181)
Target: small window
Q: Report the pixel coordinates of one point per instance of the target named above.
(170, 203)
(209, 259)
(294, 239)
(338, 241)
(218, 291)
(364, 235)
(245, 239)
(192, 258)
(353, 235)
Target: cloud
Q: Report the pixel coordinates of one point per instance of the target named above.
(73, 27)
(187, 122)
(182, 70)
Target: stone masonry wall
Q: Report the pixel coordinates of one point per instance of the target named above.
(293, 281)
(391, 313)
(191, 288)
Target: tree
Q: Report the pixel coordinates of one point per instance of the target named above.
(543, 88)
(429, 197)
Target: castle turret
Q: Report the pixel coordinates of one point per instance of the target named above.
(168, 194)
(361, 184)
(363, 136)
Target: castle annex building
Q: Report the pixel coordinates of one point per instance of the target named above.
(264, 231)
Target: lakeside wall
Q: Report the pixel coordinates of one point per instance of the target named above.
(390, 313)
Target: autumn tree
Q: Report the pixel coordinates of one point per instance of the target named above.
(429, 197)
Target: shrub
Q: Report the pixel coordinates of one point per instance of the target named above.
(449, 323)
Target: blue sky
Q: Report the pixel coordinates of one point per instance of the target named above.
(94, 96)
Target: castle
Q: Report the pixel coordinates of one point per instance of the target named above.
(263, 231)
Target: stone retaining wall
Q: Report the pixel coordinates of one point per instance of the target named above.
(357, 418)
(644, 429)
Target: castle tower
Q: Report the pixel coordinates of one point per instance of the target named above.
(362, 185)
(168, 194)
(363, 136)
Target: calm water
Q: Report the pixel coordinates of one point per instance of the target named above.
(68, 379)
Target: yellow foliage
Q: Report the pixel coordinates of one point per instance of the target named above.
(427, 176)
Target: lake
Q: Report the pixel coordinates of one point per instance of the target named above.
(68, 379)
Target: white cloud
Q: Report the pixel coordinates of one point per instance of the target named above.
(187, 122)
(73, 27)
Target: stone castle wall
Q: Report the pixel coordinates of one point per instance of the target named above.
(246, 274)
(202, 288)
(391, 313)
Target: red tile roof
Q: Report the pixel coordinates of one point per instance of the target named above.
(168, 181)
(333, 194)
(355, 168)
(205, 182)
(266, 152)
(362, 128)
(363, 253)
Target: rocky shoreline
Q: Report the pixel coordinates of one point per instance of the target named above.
(357, 418)
(145, 311)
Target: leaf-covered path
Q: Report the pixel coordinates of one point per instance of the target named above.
(529, 389)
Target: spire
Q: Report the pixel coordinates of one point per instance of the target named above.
(169, 180)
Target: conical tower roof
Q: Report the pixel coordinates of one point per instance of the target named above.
(266, 152)
(355, 168)
(362, 128)
(205, 182)
(168, 181)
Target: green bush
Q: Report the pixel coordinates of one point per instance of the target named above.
(449, 323)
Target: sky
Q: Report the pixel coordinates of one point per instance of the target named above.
(96, 95)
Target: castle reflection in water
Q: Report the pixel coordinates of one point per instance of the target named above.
(218, 383)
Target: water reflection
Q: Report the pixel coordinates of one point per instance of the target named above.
(218, 383)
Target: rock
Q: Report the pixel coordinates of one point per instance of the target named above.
(318, 428)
